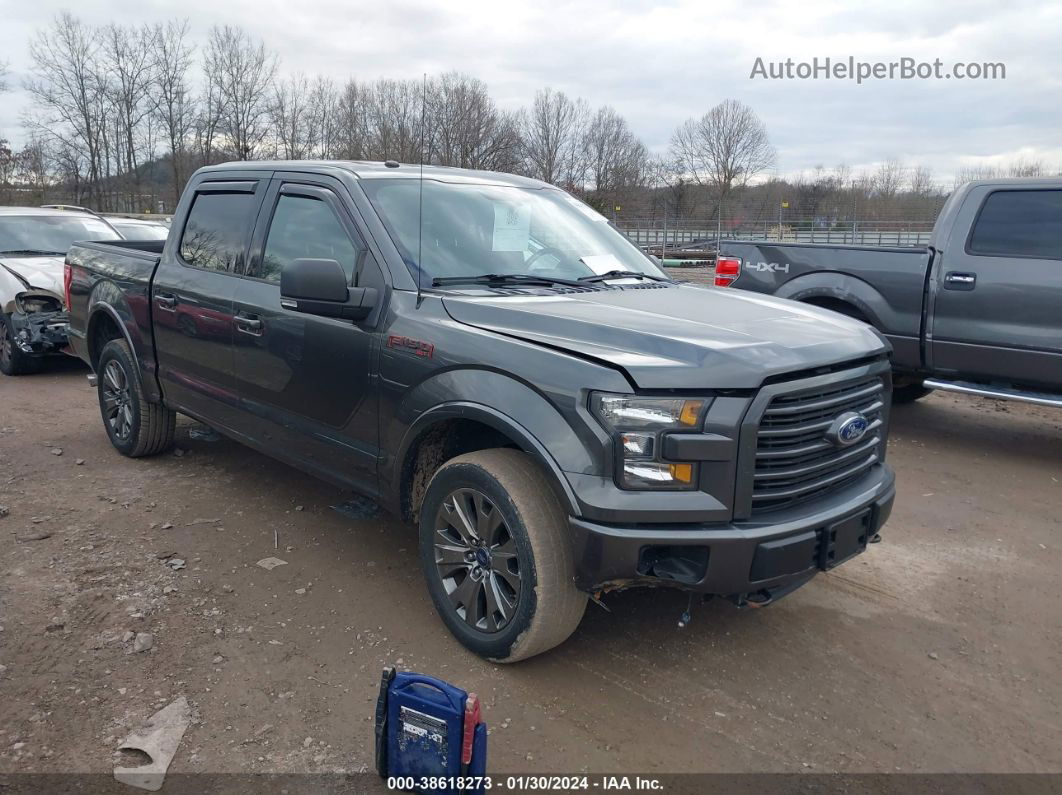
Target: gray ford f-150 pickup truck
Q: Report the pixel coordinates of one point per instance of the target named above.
(978, 311)
(485, 356)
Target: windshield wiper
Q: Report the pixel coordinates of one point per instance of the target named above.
(32, 251)
(500, 279)
(602, 277)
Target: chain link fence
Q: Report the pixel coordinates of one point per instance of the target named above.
(673, 235)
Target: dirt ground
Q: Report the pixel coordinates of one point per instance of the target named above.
(938, 650)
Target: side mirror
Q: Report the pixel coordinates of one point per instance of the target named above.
(319, 287)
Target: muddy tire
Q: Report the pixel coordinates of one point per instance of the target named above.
(135, 427)
(12, 360)
(496, 552)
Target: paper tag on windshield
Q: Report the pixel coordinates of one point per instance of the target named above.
(602, 263)
(512, 226)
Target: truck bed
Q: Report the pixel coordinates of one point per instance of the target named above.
(119, 274)
(885, 284)
(134, 248)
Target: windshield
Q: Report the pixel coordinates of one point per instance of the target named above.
(50, 234)
(473, 229)
(141, 231)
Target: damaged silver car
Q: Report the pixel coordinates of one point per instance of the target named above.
(33, 245)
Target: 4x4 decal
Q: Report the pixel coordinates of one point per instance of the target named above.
(768, 267)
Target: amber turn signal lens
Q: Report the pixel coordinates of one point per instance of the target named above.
(683, 473)
(691, 412)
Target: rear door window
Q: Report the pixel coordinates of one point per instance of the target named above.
(1019, 223)
(216, 232)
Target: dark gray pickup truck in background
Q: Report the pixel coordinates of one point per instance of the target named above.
(485, 356)
(978, 311)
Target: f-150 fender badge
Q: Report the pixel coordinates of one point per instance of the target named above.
(423, 349)
(767, 267)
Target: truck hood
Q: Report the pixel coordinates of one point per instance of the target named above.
(677, 337)
(43, 273)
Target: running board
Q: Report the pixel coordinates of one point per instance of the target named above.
(997, 392)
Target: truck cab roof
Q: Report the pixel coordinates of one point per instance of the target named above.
(364, 169)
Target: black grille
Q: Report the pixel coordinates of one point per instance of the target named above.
(795, 461)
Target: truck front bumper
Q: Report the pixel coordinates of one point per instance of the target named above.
(766, 557)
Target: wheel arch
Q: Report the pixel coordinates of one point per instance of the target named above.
(838, 291)
(105, 323)
(457, 427)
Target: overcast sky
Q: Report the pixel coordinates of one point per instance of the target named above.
(659, 63)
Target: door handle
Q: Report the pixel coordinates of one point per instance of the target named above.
(166, 301)
(248, 325)
(954, 280)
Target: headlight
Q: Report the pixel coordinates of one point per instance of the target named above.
(29, 304)
(637, 424)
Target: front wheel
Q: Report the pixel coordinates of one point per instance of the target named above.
(135, 426)
(496, 553)
(13, 361)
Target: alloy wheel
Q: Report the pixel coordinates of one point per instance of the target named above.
(476, 557)
(117, 400)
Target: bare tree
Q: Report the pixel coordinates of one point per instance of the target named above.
(920, 181)
(129, 56)
(723, 149)
(888, 179)
(1027, 168)
(323, 118)
(7, 157)
(352, 122)
(208, 117)
(240, 73)
(175, 108)
(290, 117)
(552, 130)
(38, 169)
(617, 163)
(465, 127)
(394, 113)
(68, 88)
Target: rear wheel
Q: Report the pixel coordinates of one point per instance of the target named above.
(135, 426)
(496, 554)
(14, 361)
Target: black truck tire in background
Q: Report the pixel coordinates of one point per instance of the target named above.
(530, 523)
(907, 392)
(12, 360)
(143, 428)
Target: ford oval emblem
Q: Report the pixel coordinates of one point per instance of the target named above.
(848, 429)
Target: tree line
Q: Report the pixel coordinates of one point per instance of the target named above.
(122, 115)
